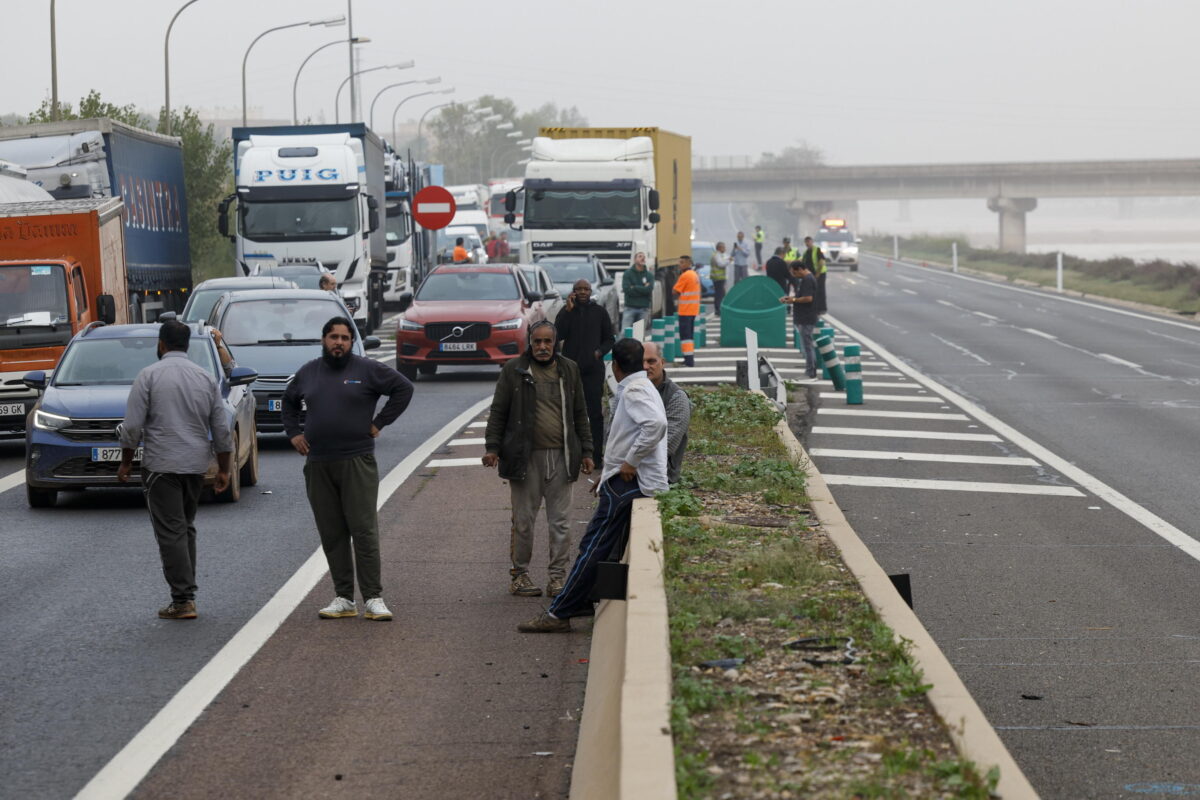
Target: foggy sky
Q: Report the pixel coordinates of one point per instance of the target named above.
(867, 81)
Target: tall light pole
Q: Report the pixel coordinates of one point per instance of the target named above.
(53, 66)
(447, 90)
(337, 98)
(420, 124)
(332, 22)
(499, 147)
(296, 83)
(167, 66)
(371, 114)
(350, 55)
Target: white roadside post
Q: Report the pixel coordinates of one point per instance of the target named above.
(1060, 279)
(895, 247)
(954, 255)
(752, 359)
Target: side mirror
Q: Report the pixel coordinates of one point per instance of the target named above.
(654, 218)
(106, 308)
(406, 300)
(223, 217)
(652, 198)
(533, 297)
(35, 380)
(510, 202)
(372, 343)
(607, 280)
(510, 218)
(242, 376)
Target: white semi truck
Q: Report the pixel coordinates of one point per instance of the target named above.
(313, 193)
(609, 191)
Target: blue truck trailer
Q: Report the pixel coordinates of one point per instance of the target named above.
(91, 158)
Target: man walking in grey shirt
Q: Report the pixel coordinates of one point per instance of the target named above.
(173, 408)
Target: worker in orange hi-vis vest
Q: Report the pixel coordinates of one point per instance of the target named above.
(687, 301)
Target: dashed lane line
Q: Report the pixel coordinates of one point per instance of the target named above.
(870, 412)
(1080, 477)
(1118, 361)
(1042, 334)
(13, 480)
(878, 482)
(464, 442)
(120, 776)
(892, 433)
(945, 458)
(456, 462)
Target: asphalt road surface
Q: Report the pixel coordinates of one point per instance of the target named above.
(1045, 509)
(86, 662)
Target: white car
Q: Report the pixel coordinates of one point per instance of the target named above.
(840, 247)
(446, 238)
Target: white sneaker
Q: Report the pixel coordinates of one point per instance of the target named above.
(340, 607)
(376, 610)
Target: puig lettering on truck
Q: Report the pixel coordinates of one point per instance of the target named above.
(324, 174)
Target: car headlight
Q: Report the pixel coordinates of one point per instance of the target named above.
(352, 303)
(509, 324)
(45, 421)
(409, 325)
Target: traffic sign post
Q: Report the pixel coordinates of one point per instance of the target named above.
(434, 208)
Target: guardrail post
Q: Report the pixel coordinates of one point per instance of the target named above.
(824, 330)
(658, 329)
(854, 387)
(671, 340)
(701, 333)
(832, 365)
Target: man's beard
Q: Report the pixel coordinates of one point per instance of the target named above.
(334, 362)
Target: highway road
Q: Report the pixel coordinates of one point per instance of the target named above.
(1047, 516)
(86, 663)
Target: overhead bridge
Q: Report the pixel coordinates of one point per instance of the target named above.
(1011, 190)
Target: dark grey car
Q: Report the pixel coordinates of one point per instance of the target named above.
(565, 270)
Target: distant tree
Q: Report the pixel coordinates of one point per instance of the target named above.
(801, 154)
(207, 171)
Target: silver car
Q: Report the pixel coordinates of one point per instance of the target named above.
(539, 281)
(565, 270)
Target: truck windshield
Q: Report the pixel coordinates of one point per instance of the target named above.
(461, 286)
(116, 362)
(583, 209)
(276, 221)
(33, 306)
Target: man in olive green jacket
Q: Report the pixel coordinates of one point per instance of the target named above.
(539, 434)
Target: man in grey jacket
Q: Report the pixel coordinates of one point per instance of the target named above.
(174, 406)
(539, 434)
(678, 407)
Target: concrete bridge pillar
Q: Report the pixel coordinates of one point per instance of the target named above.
(1012, 212)
(810, 213)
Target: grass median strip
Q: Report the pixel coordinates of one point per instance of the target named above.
(786, 683)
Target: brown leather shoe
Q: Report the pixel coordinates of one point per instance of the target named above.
(544, 623)
(178, 611)
(523, 586)
(554, 587)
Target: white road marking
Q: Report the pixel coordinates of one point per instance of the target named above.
(13, 480)
(951, 305)
(870, 412)
(951, 486)
(901, 434)
(948, 458)
(962, 350)
(456, 462)
(120, 776)
(1058, 298)
(910, 291)
(1103, 491)
(478, 424)
(1042, 334)
(986, 316)
(872, 384)
(463, 442)
(897, 398)
(1119, 361)
(883, 283)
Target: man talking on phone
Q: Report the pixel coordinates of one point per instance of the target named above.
(586, 334)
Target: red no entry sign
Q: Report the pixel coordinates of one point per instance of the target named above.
(433, 208)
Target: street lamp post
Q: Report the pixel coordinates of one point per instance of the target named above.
(498, 148)
(447, 90)
(371, 114)
(420, 124)
(53, 65)
(296, 83)
(332, 22)
(337, 99)
(167, 67)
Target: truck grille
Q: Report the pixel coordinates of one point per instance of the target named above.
(458, 331)
(91, 430)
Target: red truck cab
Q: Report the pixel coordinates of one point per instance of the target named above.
(62, 267)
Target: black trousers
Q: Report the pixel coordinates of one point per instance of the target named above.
(758, 252)
(593, 397)
(718, 294)
(819, 300)
(172, 499)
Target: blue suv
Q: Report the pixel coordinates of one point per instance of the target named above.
(71, 440)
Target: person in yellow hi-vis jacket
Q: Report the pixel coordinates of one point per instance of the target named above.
(687, 300)
(760, 236)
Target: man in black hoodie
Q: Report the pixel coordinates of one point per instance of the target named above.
(338, 393)
(586, 334)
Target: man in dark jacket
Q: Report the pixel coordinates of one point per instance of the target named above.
(539, 434)
(777, 268)
(586, 333)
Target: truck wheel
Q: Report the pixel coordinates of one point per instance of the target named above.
(408, 370)
(428, 369)
(41, 498)
(249, 471)
(234, 492)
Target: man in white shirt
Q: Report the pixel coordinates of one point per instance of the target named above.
(635, 465)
